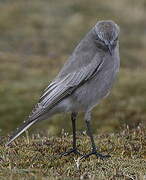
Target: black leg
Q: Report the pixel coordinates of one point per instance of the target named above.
(73, 119)
(90, 135)
(74, 148)
(94, 149)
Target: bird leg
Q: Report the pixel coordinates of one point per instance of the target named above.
(74, 148)
(94, 149)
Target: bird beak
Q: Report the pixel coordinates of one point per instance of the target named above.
(109, 46)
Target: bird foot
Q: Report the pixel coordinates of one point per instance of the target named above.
(73, 150)
(97, 154)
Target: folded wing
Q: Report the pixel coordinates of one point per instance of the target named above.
(57, 91)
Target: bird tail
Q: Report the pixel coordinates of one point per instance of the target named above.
(20, 130)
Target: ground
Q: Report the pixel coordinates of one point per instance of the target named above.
(38, 157)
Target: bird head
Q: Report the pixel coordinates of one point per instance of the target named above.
(107, 33)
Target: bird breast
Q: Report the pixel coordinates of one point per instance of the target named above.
(99, 86)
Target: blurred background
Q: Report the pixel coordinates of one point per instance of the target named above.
(37, 37)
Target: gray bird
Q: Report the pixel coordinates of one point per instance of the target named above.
(85, 79)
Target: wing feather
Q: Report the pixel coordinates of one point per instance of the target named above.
(64, 87)
(58, 90)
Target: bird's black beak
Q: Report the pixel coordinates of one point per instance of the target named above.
(109, 46)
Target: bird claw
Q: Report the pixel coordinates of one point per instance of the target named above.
(73, 150)
(97, 154)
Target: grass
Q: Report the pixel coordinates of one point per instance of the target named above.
(37, 157)
(36, 38)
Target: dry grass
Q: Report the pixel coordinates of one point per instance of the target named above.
(37, 157)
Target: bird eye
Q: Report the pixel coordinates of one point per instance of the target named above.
(116, 39)
(98, 39)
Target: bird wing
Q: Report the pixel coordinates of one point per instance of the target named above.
(58, 90)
